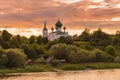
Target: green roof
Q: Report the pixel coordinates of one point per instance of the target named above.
(58, 24)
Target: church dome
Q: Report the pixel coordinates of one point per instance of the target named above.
(58, 24)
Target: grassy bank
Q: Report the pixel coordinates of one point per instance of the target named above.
(85, 66)
(32, 68)
(45, 68)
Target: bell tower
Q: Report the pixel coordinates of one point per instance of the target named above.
(45, 31)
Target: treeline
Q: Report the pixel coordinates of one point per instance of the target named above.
(98, 46)
(99, 39)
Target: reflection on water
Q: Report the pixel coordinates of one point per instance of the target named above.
(70, 75)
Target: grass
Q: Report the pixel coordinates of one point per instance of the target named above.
(85, 66)
(68, 66)
(32, 68)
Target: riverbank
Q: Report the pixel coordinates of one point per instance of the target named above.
(64, 67)
(110, 74)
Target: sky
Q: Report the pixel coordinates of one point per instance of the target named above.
(26, 17)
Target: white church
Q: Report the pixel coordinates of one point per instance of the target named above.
(55, 34)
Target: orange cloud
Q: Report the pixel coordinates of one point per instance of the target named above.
(77, 15)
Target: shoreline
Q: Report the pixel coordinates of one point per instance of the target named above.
(63, 67)
(60, 71)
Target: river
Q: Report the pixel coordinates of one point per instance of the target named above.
(111, 74)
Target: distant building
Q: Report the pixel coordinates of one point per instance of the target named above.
(55, 34)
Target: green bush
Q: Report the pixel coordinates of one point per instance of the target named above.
(33, 51)
(55, 62)
(117, 59)
(3, 58)
(101, 56)
(81, 56)
(40, 60)
(16, 58)
(59, 51)
(86, 56)
(111, 50)
(71, 53)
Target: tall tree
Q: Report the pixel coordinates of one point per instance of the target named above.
(39, 39)
(45, 40)
(85, 36)
(32, 39)
(6, 36)
(116, 39)
(101, 38)
(15, 42)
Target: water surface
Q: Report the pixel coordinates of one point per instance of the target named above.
(113, 74)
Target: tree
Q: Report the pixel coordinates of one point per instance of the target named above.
(15, 42)
(116, 39)
(3, 58)
(32, 39)
(58, 51)
(81, 55)
(75, 37)
(19, 39)
(33, 51)
(45, 40)
(85, 36)
(66, 39)
(6, 45)
(39, 39)
(5, 39)
(51, 43)
(111, 50)
(6, 36)
(16, 58)
(100, 38)
(62, 39)
(101, 56)
(29, 51)
(24, 40)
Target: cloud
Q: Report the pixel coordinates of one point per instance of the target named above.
(84, 13)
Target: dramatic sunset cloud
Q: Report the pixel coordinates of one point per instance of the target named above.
(75, 14)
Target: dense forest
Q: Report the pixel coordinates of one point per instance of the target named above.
(97, 46)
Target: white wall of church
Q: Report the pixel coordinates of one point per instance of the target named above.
(59, 29)
(45, 33)
(53, 36)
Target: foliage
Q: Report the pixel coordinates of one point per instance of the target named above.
(33, 51)
(100, 38)
(16, 58)
(85, 36)
(81, 55)
(51, 43)
(111, 50)
(84, 45)
(5, 45)
(40, 60)
(101, 56)
(117, 59)
(39, 39)
(55, 62)
(3, 58)
(45, 40)
(6, 36)
(14, 42)
(32, 39)
(59, 51)
(66, 39)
